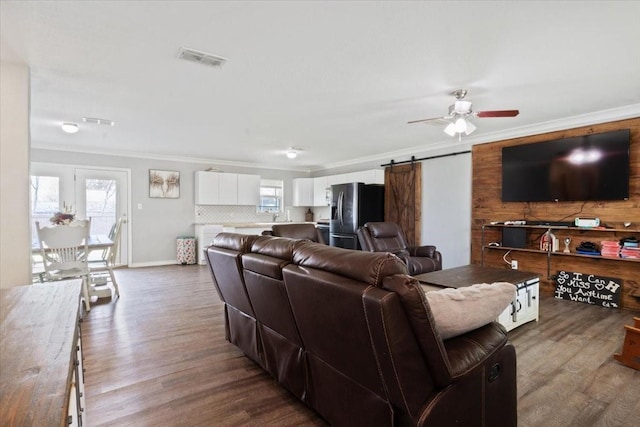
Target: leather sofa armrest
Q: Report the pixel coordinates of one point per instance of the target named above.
(468, 351)
(425, 251)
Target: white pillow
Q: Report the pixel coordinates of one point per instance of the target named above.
(461, 310)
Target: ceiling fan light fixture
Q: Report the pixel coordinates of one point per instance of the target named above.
(70, 127)
(470, 128)
(459, 112)
(462, 107)
(450, 129)
(461, 125)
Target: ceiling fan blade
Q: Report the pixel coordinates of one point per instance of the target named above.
(497, 113)
(433, 120)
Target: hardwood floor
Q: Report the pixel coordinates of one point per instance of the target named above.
(158, 356)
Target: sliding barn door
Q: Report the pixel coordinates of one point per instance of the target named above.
(403, 190)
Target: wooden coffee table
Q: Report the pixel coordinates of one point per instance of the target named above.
(524, 307)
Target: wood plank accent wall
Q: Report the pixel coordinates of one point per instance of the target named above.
(487, 206)
(403, 199)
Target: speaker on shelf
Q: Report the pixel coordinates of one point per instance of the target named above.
(514, 237)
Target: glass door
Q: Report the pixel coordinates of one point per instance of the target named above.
(51, 189)
(101, 195)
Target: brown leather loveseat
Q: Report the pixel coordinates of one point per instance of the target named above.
(351, 335)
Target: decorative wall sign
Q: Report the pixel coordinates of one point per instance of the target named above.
(588, 289)
(164, 184)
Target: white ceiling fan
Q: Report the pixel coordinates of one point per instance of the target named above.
(459, 113)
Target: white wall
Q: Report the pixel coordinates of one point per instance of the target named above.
(154, 228)
(446, 208)
(446, 198)
(15, 241)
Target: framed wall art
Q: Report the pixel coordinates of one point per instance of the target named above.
(164, 184)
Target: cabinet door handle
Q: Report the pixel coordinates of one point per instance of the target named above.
(516, 306)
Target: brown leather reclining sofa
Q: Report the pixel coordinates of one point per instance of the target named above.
(352, 336)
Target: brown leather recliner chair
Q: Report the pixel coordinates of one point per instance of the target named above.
(388, 237)
(297, 231)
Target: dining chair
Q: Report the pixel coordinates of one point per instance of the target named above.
(64, 253)
(101, 270)
(104, 252)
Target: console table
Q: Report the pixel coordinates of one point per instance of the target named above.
(524, 307)
(41, 378)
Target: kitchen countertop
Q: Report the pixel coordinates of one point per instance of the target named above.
(253, 224)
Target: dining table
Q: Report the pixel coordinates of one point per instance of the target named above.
(94, 243)
(97, 242)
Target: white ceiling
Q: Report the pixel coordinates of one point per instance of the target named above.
(339, 79)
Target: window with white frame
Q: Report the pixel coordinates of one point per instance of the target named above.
(270, 196)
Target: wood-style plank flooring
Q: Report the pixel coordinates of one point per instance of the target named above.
(158, 357)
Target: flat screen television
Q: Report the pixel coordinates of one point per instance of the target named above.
(590, 167)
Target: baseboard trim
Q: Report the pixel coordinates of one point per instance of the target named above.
(152, 263)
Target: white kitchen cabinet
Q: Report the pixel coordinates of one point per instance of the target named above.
(362, 176)
(248, 189)
(337, 179)
(207, 186)
(303, 191)
(371, 176)
(228, 189)
(320, 191)
(322, 184)
(205, 234)
(216, 188)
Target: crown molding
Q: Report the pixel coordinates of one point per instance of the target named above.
(441, 147)
(604, 116)
(150, 156)
(611, 115)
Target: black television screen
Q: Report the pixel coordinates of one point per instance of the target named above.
(590, 167)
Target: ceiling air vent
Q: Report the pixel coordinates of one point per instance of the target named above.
(97, 121)
(201, 57)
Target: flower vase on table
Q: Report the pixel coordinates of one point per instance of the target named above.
(62, 218)
(65, 217)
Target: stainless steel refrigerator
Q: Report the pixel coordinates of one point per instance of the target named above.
(353, 205)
